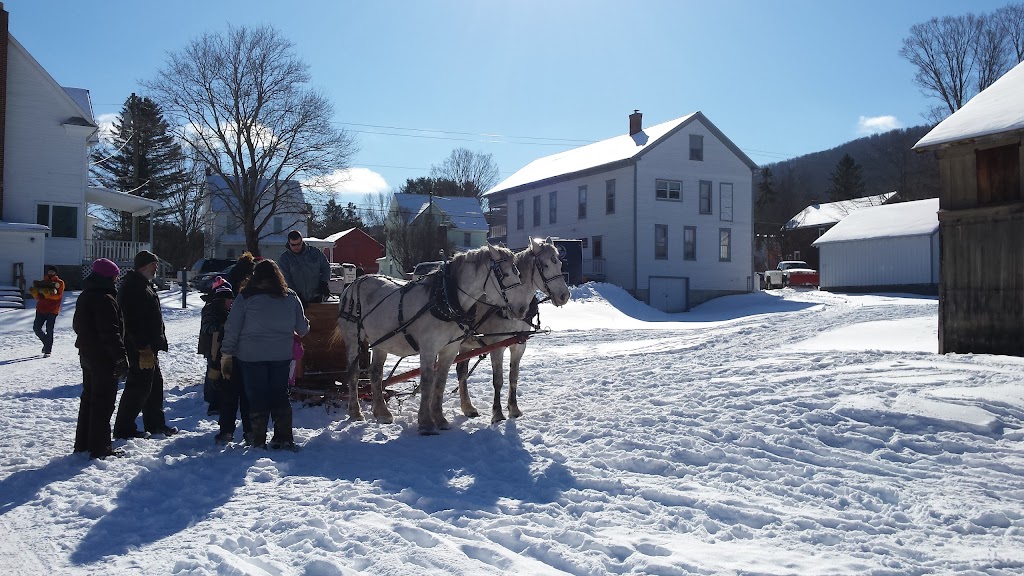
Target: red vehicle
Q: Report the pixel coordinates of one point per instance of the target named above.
(791, 273)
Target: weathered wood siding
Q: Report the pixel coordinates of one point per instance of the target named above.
(981, 293)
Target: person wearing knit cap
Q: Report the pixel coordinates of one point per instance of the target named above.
(49, 294)
(223, 392)
(144, 340)
(100, 329)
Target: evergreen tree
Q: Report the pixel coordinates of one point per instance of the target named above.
(335, 218)
(766, 187)
(141, 158)
(436, 186)
(847, 180)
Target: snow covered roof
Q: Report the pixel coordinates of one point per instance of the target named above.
(606, 152)
(215, 182)
(122, 201)
(334, 237)
(995, 110)
(22, 227)
(918, 218)
(832, 212)
(464, 212)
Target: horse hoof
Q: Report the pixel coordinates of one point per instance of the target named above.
(515, 413)
(497, 418)
(444, 425)
(355, 416)
(431, 431)
(471, 413)
(388, 419)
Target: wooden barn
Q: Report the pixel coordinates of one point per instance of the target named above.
(353, 246)
(981, 220)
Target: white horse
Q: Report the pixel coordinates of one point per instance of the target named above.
(429, 317)
(540, 269)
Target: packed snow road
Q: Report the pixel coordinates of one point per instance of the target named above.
(772, 433)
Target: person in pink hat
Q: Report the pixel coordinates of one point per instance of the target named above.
(100, 329)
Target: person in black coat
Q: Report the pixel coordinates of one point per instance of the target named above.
(144, 339)
(100, 329)
(241, 272)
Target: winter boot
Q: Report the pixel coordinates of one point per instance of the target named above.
(282, 427)
(259, 421)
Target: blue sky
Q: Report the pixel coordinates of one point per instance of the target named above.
(527, 78)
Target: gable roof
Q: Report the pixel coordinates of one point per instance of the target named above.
(918, 218)
(832, 212)
(997, 109)
(351, 231)
(78, 107)
(610, 153)
(464, 212)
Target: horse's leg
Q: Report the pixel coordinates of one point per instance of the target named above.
(462, 371)
(424, 420)
(444, 363)
(380, 408)
(497, 380)
(352, 372)
(513, 379)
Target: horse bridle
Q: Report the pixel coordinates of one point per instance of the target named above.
(540, 270)
(499, 277)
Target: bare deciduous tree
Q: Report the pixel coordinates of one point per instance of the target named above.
(943, 52)
(991, 54)
(241, 103)
(1011, 17)
(475, 172)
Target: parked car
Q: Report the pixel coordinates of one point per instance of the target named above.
(206, 269)
(424, 268)
(791, 273)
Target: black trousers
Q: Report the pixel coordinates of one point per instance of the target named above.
(233, 401)
(143, 392)
(99, 389)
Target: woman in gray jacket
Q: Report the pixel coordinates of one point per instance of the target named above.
(259, 333)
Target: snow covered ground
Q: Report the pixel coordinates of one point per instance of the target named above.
(770, 433)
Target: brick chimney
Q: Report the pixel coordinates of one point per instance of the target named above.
(3, 99)
(635, 124)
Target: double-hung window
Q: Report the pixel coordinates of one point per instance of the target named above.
(536, 211)
(582, 211)
(520, 214)
(609, 196)
(552, 207)
(724, 244)
(705, 197)
(696, 147)
(725, 202)
(668, 189)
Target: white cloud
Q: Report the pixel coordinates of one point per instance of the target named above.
(354, 181)
(877, 124)
(106, 124)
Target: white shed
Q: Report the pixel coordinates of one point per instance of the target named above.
(893, 247)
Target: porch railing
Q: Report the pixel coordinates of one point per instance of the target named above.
(116, 250)
(594, 268)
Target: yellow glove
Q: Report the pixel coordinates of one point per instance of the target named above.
(226, 366)
(147, 359)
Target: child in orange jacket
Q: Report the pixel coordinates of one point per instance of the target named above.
(49, 295)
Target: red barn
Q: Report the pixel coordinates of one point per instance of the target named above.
(354, 247)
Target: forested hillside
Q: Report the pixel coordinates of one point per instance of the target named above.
(886, 163)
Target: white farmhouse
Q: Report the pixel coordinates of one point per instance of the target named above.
(893, 247)
(665, 212)
(47, 133)
(225, 236)
(463, 219)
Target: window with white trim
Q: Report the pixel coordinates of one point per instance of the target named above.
(724, 244)
(668, 189)
(696, 147)
(62, 220)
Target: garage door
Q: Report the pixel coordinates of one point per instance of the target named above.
(668, 294)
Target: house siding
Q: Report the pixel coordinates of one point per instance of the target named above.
(708, 277)
(615, 229)
(631, 265)
(44, 161)
(908, 261)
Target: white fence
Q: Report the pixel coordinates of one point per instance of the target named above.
(116, 250)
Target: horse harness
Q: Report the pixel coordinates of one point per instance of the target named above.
(443, 304)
